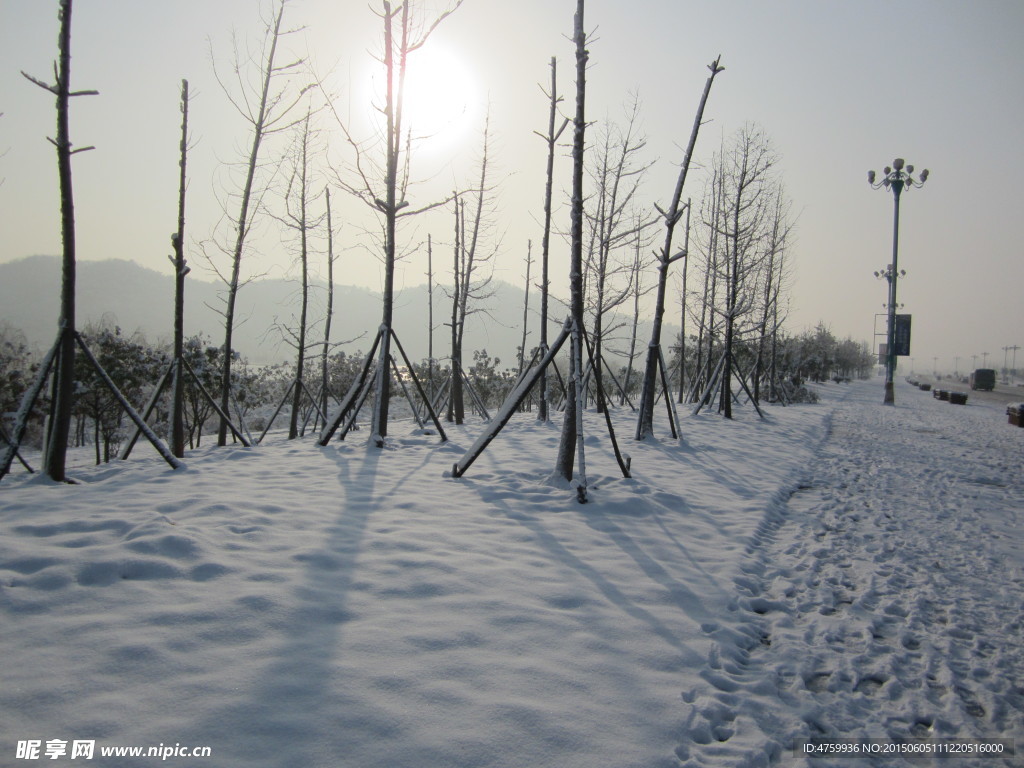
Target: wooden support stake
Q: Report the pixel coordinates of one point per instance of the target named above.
(126, 452)
(27, 401)
(169, 457)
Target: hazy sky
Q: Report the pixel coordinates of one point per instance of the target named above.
(841, 87)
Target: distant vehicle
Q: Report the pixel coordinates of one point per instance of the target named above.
(983, 378)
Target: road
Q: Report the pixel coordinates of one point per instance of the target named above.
(1003, 394)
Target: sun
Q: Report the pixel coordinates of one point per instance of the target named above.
(439, 96)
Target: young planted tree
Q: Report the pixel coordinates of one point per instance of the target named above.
(744, 224)
(430, 317)
(774, 267)
(384, 187)
(655, 358)
(710, 250)
(571, 445)
(637, 292)
(298, 203)
(180, 271)
(616, 228)
(329, 315)
(571, 442)
(54, 460)
(475, 248)
(268, 107)
(63, 352)
(551, 139)
(526, 308)
(680, 395)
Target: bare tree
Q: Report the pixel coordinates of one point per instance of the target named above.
(645, 419)
(298, 200)
(709, 248)
(571, 441)
(551, 139)
(180, 271)
(680, 395)
(430, 315)
(638, 291)
(526, 307)
(476, 245)
(774, 270)
(615, 225)
(63, 352)
(748, 181)
(64, 386)
(385, 187)
(268, 109)
(328, 317)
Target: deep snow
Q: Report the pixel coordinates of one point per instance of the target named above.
(845, 569)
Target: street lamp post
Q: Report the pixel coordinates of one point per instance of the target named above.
(897, 178)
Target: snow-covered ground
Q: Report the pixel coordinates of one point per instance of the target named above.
(839, 570)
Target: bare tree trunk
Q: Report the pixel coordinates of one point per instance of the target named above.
(387, 195)
(714, 255)
(746, 174)
(55, 458)
(645, 420)
(302, 224)
(469, 257)
(242, 224)
(393, 113)
(552, 140)
(526, 306)
(324, 392)
(637, 292)
(681, 395)
(430, 316)
(456, 407)
(732, 291)
(180, 270)
(618, 176)
(570, 423)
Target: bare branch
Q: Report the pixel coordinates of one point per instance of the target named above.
(45, 86)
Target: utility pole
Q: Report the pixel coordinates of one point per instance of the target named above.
(1006, 368)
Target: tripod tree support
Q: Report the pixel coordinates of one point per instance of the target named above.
(623, 461)
(27, 401)
(331, 426)
(511, 404)
(7, 441)
(356, 396)
(303, 390)
(162, 449)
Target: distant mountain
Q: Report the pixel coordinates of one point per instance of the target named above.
(141, 299)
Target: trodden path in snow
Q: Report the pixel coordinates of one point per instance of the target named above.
(883, 600)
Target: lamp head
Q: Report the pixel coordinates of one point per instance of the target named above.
(898, 163)
(871, 177)
(924, 175)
